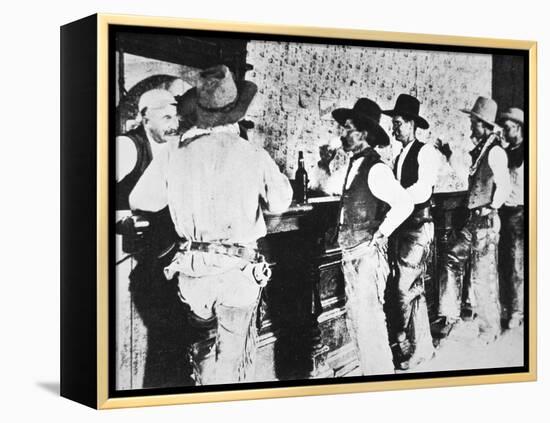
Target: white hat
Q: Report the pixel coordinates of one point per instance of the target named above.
(179, 87)
(155, 99)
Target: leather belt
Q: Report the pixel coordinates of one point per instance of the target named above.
(418, 217)
(233, 250)
(511, 209)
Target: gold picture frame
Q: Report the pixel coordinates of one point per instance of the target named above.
(95, 393)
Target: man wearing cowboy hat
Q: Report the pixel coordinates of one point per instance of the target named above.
(511, 215)
(477, 241)
(149, 234)
(416, 169)
(373, 205)
(218, 186)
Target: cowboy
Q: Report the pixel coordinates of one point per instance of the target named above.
(511, 215)
(137, 181)
(416, 169)
(477, 242)
(149, 235)
(373, 205)
(218, 186)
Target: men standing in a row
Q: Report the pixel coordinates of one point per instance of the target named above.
(142, 157)
(416, 169)
(373, 205)
(511, 214)
(477, 242)
(218, 186)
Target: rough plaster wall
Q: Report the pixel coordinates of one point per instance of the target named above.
(300, 84)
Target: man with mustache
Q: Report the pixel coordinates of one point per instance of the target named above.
(477, 242)
(373, 205)
(416, 169)
(149, 234)
(511, 214)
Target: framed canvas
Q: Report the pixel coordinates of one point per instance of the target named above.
(256, 211)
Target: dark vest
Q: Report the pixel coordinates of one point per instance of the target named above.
(361, 212)
(144, 156)
(481, 180)
(409, 171)
(161, 233)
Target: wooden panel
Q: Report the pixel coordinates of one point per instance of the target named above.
(123, 319)
(139, 347)
(331, 280)
(189, 51)
(334, 332)
(302, 315)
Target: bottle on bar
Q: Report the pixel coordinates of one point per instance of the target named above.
(301, 181)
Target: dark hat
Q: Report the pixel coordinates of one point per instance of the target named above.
(408, 107)
(217, 99)
(365, 116)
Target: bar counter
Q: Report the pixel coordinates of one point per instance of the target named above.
(301, 317)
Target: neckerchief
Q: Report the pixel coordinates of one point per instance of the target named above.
(479, 151)
(195, 133)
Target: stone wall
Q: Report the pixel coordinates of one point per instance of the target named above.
(300, 84)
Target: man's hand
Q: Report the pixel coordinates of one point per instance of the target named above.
(132, 229)
(443, 148)
(132, 226)
(377, 238)
(485, 211)
(327, 154)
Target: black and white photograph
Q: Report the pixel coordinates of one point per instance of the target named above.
(290, 210)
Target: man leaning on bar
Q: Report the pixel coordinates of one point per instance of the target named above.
(373, 205)
(477, 242)
(511, 214)
(416, 168)
(218, 186)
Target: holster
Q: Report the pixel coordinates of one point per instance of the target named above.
(418, 217)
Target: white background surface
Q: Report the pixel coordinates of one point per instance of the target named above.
(29, 171)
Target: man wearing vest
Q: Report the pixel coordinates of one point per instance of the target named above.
(373, 205)
(416, 168)
(511, 214)
(477, 242)
(219, 184)
(148, 234)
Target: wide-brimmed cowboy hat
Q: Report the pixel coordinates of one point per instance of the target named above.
(365, 115)
(485, 109)
(217, 99)
(514, 114)
(408, 107)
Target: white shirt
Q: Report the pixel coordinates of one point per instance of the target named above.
(329, 183)
(429, 162)
(516, 197)
(149, 193)
(219, 184)
(385, 187)
(498, 162)
(126, 154)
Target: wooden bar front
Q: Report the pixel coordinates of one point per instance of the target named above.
(302, 317)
